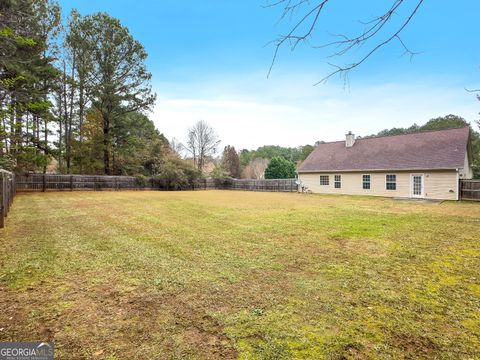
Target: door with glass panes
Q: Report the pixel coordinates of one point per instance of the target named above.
(417, 185)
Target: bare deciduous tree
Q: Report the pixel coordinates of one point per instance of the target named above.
(202, 141)
(375, 34)
(176, 146)
(255, 169)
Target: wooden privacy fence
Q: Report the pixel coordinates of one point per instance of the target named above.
(470, 190)
(7, 193)
(51, 182)
(48, 182)
(276, 185)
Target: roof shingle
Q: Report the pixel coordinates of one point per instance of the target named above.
(430, 150)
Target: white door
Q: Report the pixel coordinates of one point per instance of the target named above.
(417, 185)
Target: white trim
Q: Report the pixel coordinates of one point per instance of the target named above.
(422, 195)
(390, 181)
(369, 181)
(334, 181)
(458, 185)
(320, 180)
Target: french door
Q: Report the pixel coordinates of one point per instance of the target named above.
(417, 185)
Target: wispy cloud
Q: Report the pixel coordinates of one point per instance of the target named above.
(248, 111)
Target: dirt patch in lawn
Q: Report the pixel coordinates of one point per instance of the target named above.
(109, 319)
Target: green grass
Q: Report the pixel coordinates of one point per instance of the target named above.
(223, 274)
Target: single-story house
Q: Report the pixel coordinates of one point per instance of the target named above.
(421, 165)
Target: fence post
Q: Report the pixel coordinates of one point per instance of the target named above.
(460, 186)
(2, 202)
(10, 192)
(6, 202)
(7, 192)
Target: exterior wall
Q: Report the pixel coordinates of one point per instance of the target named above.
(466, 172)
(437, 184)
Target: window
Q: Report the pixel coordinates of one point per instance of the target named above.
(338, 181)
(391, 182)
(366, 182)
(324, 180)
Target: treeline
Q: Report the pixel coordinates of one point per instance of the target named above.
(74, 96)
(254, 163)
(268, 162)
(441, 123)
(294, 155)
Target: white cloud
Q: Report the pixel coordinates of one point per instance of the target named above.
(248, 110)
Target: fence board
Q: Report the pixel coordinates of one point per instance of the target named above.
(7, 193)
(470, 190)
(53, 182)
(276, 185)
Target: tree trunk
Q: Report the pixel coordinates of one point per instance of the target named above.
(80, 124)
(70, 115)
(18, 132)
(13, 139)
(60, 133)
(46, 140)
(106, 144)
(65, 107)
(5, 140)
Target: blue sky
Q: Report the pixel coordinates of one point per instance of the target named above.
(209, 61)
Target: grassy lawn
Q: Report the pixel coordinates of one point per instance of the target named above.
(224, 274)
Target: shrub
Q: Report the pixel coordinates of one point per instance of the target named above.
(170, 177)
(175, 174)
(142, 181)
(221, 177)
(280, 168)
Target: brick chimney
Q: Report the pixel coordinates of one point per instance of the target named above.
(349, 139)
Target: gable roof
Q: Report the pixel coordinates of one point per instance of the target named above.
(430, 150)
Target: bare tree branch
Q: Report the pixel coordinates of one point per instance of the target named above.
(202, 141)
(344, 44)
(291, 35)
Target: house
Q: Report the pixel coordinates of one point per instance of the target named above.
(420, 165)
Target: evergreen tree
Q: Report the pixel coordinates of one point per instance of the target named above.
(120, 80)
(231, 161)
(27, 76)
(279, 168)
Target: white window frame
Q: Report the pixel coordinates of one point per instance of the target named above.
(328, 180)
(335, 181)
(369, 181)
(391, 182)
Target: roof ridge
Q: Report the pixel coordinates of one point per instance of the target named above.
(432, 149)
(413, 133)
(330, 142)
(384, 136)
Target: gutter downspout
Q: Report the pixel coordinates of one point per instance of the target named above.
(458, 185)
